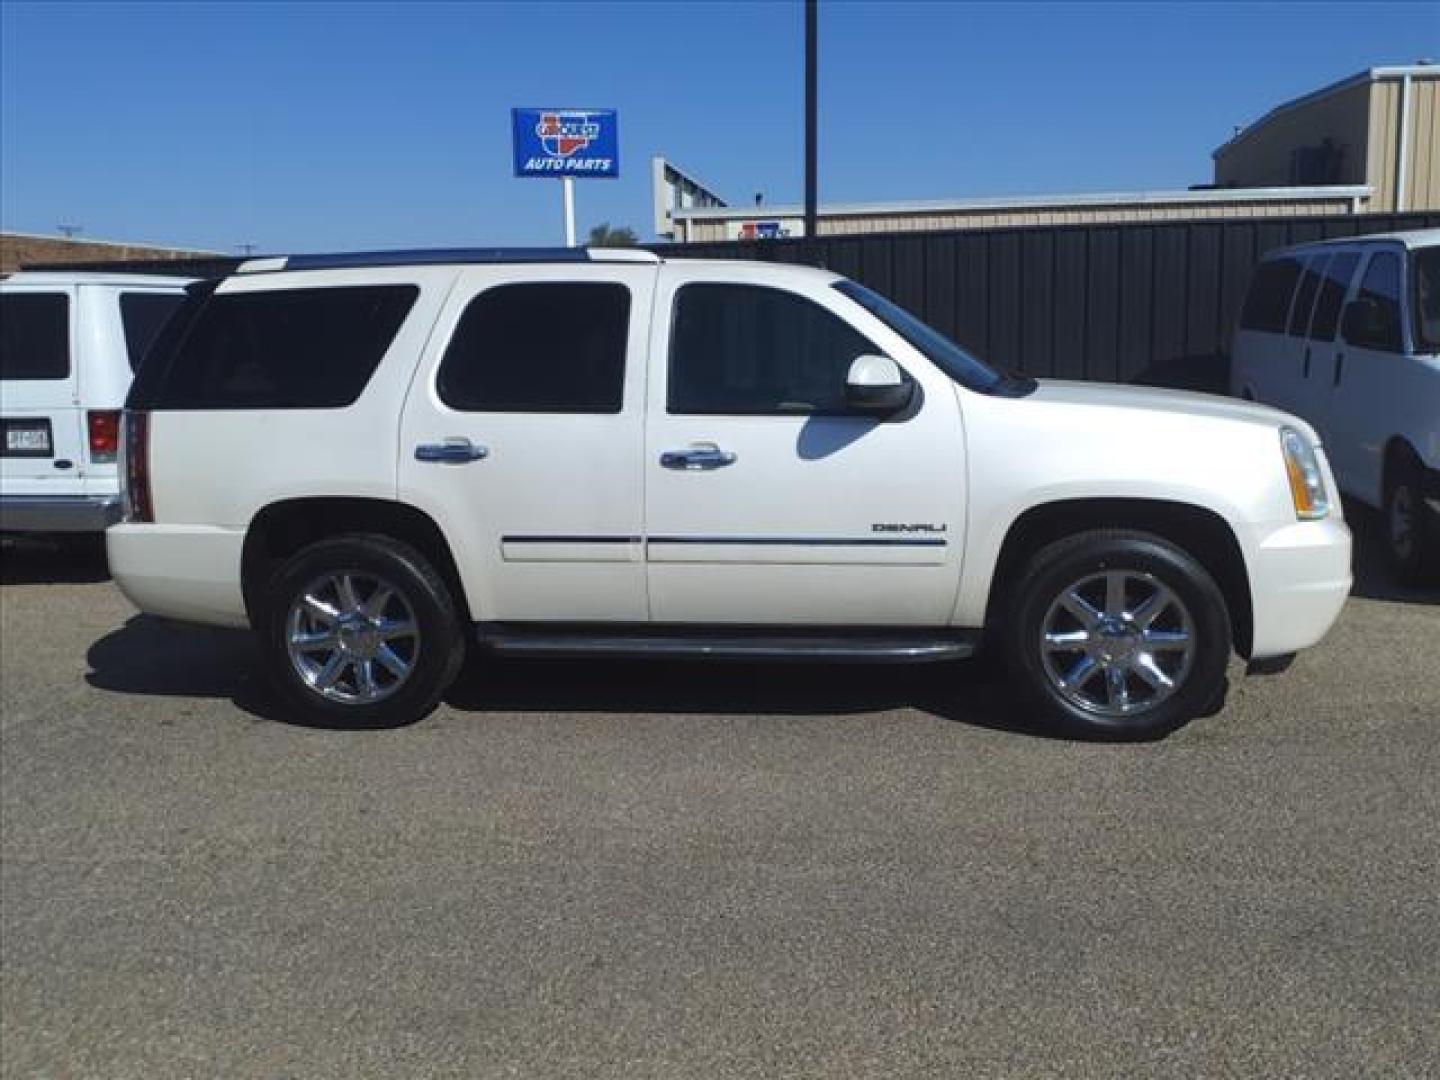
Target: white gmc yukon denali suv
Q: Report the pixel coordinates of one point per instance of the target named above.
(376, 459)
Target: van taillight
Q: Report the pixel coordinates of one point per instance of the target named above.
(136, 432)
(104, 428)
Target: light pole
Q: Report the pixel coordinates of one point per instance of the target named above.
(811, 210)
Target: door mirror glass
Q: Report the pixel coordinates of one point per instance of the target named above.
(875, 384)
(1371, 324)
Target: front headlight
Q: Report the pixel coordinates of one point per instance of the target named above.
(1307, 480)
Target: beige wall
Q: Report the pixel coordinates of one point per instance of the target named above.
(706, 230)
(1422, 175)
(1363, 119)
(1260, 156)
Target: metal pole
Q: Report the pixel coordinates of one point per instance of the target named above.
(811, 211)
(567, 189)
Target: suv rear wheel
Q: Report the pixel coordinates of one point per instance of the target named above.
(360, 631)
(1119, 634)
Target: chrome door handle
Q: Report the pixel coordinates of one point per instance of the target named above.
(697, 458)
(454, 451)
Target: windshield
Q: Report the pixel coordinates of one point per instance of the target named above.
(966, 369)
(1427, 299)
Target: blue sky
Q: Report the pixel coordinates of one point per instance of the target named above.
(338, 125)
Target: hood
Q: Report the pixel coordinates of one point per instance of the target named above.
(1153, 400)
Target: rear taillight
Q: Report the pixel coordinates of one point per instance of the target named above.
(104, 426)
(136, 433)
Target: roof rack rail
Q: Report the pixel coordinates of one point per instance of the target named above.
(346, 260)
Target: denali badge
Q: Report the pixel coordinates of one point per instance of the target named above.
(896, 527)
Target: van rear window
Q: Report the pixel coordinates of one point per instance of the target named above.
(34, 336)
(143, 316)
(283, 348)
(1268, 302)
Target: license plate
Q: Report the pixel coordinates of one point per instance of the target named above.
(27, 438)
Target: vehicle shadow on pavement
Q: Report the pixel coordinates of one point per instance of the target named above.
(1373, 579)
(153, 657)
(156, 657)
(76, 561)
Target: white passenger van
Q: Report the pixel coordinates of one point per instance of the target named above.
(69, 344)
(1346, 333)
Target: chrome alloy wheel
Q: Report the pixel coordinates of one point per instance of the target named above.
(1402, 522)
(352, 638)
(1117, 643)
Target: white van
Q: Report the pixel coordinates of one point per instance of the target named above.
(69, 345)
(1346, 333)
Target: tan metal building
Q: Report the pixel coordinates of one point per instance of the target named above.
(708, 224)
(1379, 128)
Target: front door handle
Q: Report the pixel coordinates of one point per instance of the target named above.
(453, 451)
(1307, 361)
(696, 458)
(1339, 368)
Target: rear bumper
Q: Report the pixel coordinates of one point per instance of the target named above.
(1299, 578)
(58, 513)
(185, 572)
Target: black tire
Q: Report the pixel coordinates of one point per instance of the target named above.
(1201, 614)
(1412, 546)
(436, 649)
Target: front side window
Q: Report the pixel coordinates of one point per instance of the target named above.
(547, 347)
(745, 350)
(34, 336)
(1333, 287)
(143, 315)
(1380, 291)
(1267, 303)
(1426, 267)
(285, 348)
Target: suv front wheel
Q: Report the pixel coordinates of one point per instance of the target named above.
(360, 631)
(1119, 634)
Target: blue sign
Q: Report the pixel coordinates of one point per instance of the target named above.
(566, 142)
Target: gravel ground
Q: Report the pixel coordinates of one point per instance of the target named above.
(660, 870)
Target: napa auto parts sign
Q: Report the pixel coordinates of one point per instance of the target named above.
(566, 142)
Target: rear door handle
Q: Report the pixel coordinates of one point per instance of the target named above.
(453, 451)
(697, 458)
(1307, 361)
(1339, 368)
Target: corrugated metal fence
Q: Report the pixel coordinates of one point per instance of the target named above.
(1143, 302)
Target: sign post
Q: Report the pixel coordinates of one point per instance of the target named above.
(564, 144)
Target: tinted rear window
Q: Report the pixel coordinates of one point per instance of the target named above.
(1268, 301)
(1305, 296)
(143, 315)
(34, 336)
(285, 348)
(546, 348)
(1338, 273)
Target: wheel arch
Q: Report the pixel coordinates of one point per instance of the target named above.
(1398, 451)
(282, 528)
(1201, 532)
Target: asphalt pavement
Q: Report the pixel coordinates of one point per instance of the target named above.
(665, 870)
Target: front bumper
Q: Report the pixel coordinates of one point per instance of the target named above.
(58, 513)
(1299, 578)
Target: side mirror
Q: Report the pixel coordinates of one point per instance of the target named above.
(1365, 322)
(876, 385)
